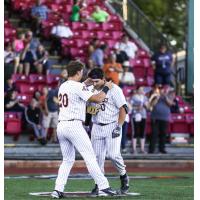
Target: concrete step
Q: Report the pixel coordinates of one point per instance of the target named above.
(52, 152)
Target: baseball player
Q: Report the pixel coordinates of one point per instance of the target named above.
(108, 118)
(72, 98)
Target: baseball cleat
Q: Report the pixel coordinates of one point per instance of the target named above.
(124, 184)
(107, 192)
(95, 190)
(56, 194)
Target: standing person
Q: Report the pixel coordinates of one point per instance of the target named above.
(50, 118)
(73, 96)
(163, 61)
(76, 9)
(108, 118)
(139, 104)
(160, 117)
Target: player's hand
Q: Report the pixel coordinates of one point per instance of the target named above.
(88, 82)
(109, 84)
(116, 132)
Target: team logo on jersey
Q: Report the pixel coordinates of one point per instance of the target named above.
(85, 88)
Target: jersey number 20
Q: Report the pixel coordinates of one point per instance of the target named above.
(63, 100)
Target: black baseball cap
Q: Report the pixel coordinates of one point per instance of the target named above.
(96, 73)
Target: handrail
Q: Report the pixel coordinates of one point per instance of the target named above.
(141, 24)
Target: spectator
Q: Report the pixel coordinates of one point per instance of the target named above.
(10, 60)
(11, 102)
(126, 77)
(94, 44)
(100, 15)
(160, 117)
(89, 66)
(127, 46)
(121, 55)
(59, 31)
(38, 13)
(162, 62)
(29, 55)
(9, 85)
(33, 117)
(112, 69)
(125, 126)
(18, 47)
(42, 63)
(139, 103)
(98, 55)
(75, 16)
(50, 118)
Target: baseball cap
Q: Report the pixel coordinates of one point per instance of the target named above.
(96, 73)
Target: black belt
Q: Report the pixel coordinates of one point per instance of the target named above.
(102, 124)
(69, 120)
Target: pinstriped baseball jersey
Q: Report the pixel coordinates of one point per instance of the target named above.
(76, 94)
(109, 108)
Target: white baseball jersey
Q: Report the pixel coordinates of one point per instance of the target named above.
(72, 98)
(101, 135)
(109, 108)
(71, 134)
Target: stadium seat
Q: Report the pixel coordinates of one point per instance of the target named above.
(25, 98)
(79, 26)
(190, 121)
(13, 127)
(128, 90)
(92, 26)
(27, 88)
(139, 71)
(36, 78)
(179, 123)
(142, 54)
(52, 79)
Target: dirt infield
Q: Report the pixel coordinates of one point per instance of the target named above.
(51, 167)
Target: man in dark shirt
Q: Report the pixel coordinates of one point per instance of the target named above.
(33, 117)
(50, 118)
(163, 61)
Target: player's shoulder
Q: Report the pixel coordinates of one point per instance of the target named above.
(116, 88)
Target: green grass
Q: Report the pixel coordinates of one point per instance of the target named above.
(150, 189)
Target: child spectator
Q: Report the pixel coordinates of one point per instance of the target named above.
(139, 103)
(33, 117)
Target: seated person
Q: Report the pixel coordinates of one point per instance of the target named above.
(59, 31)
(11, 102)
(112, 69)
(100, 15)
(126, 77)
(33, 116)
(42, 64)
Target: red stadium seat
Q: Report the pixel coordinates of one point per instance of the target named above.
(142, 54)
(36, 78)
(25, 98)
(179, 123)
(139, 71)
(27, 88)
(52, 79)
(92, 26)
(190, 121)
(79, 26)
(128, 90)
(13, 127)
(82, 43)
(137, 62)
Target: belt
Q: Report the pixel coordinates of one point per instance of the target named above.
(102, 124)
(69, 120)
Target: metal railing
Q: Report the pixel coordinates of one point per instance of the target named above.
(140, 23)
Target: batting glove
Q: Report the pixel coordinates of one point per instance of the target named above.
(116, 132)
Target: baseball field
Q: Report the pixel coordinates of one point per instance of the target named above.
(151, 186)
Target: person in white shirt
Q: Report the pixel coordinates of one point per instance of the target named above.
(59, 31)
(126, 77)
(129, 47)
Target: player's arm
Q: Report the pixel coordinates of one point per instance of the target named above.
(98, 98)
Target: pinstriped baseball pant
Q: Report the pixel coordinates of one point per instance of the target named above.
(71, 135)
(103, 144)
